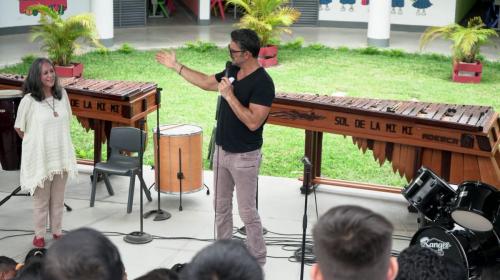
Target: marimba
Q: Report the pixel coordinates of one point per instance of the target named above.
(458, 142)
(99, 105)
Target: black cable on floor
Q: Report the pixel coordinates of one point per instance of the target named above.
(288, 242)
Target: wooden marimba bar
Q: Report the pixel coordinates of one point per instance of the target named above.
(458, 142)
(100, 105)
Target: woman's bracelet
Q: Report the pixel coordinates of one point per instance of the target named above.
(180, 70)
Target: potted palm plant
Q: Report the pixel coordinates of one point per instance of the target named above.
(59, 38)
(268, 18)
(467, 68)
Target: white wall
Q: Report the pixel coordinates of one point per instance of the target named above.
(442, 12)
(10, 15)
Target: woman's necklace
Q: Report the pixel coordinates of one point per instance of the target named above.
(53, 107)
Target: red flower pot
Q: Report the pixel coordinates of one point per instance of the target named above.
(467, 72)
(268, 56)
(73, 70)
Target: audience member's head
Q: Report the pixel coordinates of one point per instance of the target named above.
(32, 267)
(159, 274)
(223, 260)
(178, 268)
(418, 263)
(31, 270)
(35, 253)
(83, 254)
(352, 242)
(7, 268)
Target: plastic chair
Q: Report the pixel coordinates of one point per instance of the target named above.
(122, 139)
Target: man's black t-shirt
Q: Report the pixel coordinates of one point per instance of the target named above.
(232, 134)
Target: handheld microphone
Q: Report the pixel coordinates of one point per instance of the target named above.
(228, 66)
(226, 74)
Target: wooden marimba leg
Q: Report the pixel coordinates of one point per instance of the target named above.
(97, 127)
(107, 131)
(317, 150)
(312, 150)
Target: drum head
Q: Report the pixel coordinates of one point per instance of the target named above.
(10, 93)
(471, 220)
(476, 207)
(179, 130)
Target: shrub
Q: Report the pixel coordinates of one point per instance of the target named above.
(200, 46)
(126, 48)
(294, 44)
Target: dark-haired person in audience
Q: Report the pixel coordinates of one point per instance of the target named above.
(32, 267)
(159, 274)
(353, 243)
(83, 254)
(418, 263)
(7, 268)
(31, 270)
(35, 253)
(223, 260)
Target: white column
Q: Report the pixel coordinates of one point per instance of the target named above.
(103, 13)
(379, 23)
(204, 12)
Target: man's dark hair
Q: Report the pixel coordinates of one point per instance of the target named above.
(33, 83)
(35, 253)
(247, 40)
(83, 254)
(223, 260)
(31, 270)
(352, 242)
(418, 263)
(159, 274)
(33, 263)
(7, 264)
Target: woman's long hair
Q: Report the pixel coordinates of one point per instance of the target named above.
(33, 83)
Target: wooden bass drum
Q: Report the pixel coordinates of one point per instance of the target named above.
(180, 151)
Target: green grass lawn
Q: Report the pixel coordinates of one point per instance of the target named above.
(361, 73)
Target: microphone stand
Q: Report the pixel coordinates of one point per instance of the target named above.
(160, 214)
(14, 193)
(212, 150)
(306, 186)
(140, 237)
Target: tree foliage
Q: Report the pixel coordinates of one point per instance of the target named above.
(59, 37)
(268, 18)
(466, 39)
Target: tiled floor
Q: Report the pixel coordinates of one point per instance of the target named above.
(280, 205)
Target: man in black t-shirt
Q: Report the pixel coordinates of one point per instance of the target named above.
(248, 92)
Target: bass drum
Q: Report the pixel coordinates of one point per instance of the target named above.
(470, 251)
(180, 152)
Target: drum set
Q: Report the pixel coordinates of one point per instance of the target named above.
(460, 223)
